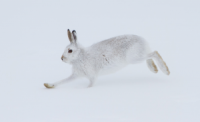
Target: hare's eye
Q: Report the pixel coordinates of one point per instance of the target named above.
(70, 51)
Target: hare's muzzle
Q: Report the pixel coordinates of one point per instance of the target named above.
(62, 57)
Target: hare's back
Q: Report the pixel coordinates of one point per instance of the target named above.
(119, 45)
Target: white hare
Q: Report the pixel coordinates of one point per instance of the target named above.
(107, 56)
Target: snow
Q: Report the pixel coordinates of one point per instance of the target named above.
(34, 35)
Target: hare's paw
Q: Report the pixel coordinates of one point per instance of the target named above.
(48, 85)
(164, 66)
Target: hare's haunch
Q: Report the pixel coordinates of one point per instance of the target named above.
(107, 56)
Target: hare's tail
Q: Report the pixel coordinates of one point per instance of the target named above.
(161, 64)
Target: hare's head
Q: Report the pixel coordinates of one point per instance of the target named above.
(72, 50)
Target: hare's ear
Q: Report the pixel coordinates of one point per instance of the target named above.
(70, 35)
(74, 35)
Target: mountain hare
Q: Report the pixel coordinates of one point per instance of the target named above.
(107, 56)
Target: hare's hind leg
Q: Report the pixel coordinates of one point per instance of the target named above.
(161, 64)
(151, 65)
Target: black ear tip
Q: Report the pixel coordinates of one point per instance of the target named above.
(73, 31)
(68, 30)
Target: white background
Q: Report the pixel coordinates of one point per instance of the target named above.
(33, 35)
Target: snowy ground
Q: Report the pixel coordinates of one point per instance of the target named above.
(32, 40)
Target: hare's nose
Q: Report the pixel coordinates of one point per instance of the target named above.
(62, 57)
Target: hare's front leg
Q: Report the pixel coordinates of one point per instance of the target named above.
(70, 78)
(92, 80)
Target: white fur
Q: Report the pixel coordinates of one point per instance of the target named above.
(107, 56)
